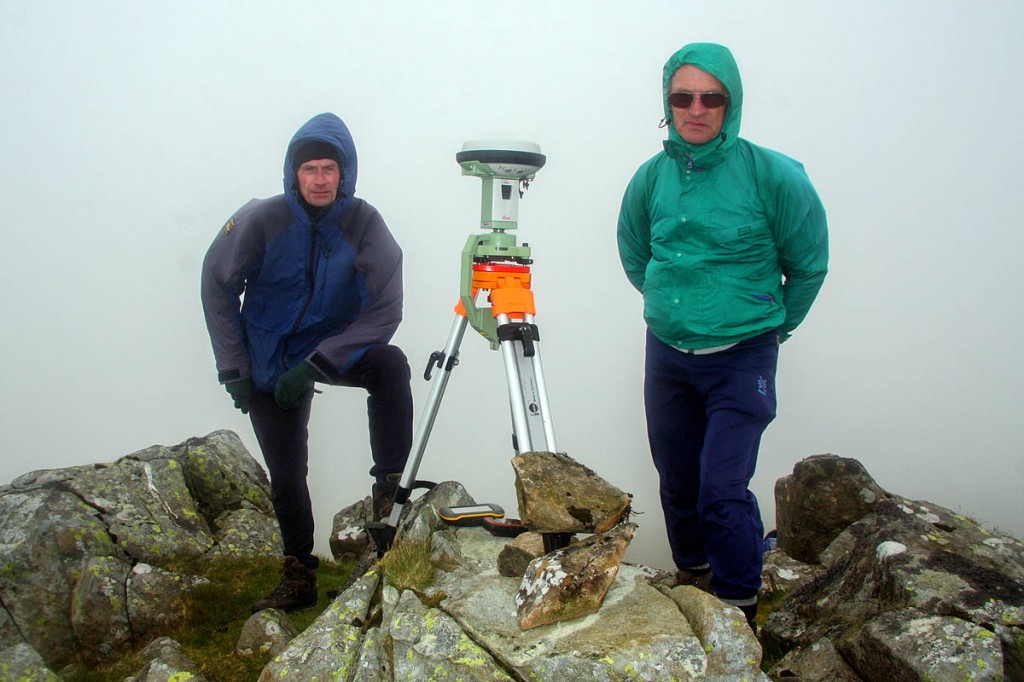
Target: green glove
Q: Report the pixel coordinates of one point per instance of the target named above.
(241, 393)
(293, 385)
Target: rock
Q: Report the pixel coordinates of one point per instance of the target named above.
(733, 651)
(349, 539)
(70, 537)
(99, 609)
(571, 582)
(145, 504)
(47, 537)
(222, 478)
(820, 662)
(425, 640)
(822, 496)
(910, 645)
(902, 574)
(558, 495)
(638, 633)
(908, 590)
(245, 533)
(516, 556)
(330, 647)
(167, 663)
(23, 663)
(154, 596)
(421, 517)
(267, 632)
(781, 574)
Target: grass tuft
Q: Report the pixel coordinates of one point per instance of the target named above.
(407, 565)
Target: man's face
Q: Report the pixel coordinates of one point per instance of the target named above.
(697, 124)
(318, 181)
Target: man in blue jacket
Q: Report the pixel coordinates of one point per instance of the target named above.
(321, 276)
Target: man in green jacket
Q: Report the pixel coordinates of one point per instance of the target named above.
(727, 242)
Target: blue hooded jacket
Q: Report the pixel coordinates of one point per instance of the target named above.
(317, 290)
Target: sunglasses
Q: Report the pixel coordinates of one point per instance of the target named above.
(710, 100)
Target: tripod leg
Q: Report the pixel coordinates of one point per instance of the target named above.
(527, 392)
(383, 535)
(542, 393)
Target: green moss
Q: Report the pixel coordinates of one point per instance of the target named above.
(211, 617)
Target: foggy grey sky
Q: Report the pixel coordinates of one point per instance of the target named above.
(132, 131)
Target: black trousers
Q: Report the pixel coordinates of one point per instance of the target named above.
(283, 436)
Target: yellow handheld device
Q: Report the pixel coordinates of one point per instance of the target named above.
(471, 515)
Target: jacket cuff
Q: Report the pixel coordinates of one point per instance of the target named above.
(228, 375)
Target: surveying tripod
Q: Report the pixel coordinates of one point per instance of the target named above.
(495, 271)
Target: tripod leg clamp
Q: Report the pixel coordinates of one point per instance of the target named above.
(520, 331)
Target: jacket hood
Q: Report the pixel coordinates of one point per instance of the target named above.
(719, 62)
(332, 130)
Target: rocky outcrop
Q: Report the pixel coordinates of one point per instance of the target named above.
(908, 590)
(888, 588)
(81, 549)
(466, 625)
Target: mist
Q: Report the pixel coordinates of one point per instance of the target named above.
(132, 131)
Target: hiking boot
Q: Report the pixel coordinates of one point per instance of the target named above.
(384, 496)
(697, 577)
(297, 589)
(750, 611)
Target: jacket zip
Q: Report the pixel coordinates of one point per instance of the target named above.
(311, 281)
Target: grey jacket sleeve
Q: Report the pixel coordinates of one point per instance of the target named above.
(232, 257)
(379, 262)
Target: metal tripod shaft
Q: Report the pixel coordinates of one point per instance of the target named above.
(527, 391)
(445, 363)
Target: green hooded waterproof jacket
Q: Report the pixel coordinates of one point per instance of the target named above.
(726, 240)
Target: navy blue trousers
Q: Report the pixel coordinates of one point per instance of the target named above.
(705, 418)
(283, 437)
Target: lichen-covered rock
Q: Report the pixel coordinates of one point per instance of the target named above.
(732, 649)
(99, 608)
(221, 477)
(571, 582)
(147, 507)
(421, 517)
(428, 644)
(245, 532)
(266, 633)
(23, 663)
(910, 645)
(330, 647)
(639, 633)
(154, 596)
(167, 663)
(349, 539)
(557, 494)
(47, 536)
(819, 662)
(59, 527)
(900, 555)
(782, 574)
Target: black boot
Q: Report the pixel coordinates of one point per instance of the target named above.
(697, 577)
(384, 496)
(297, 589)
(750, 611)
